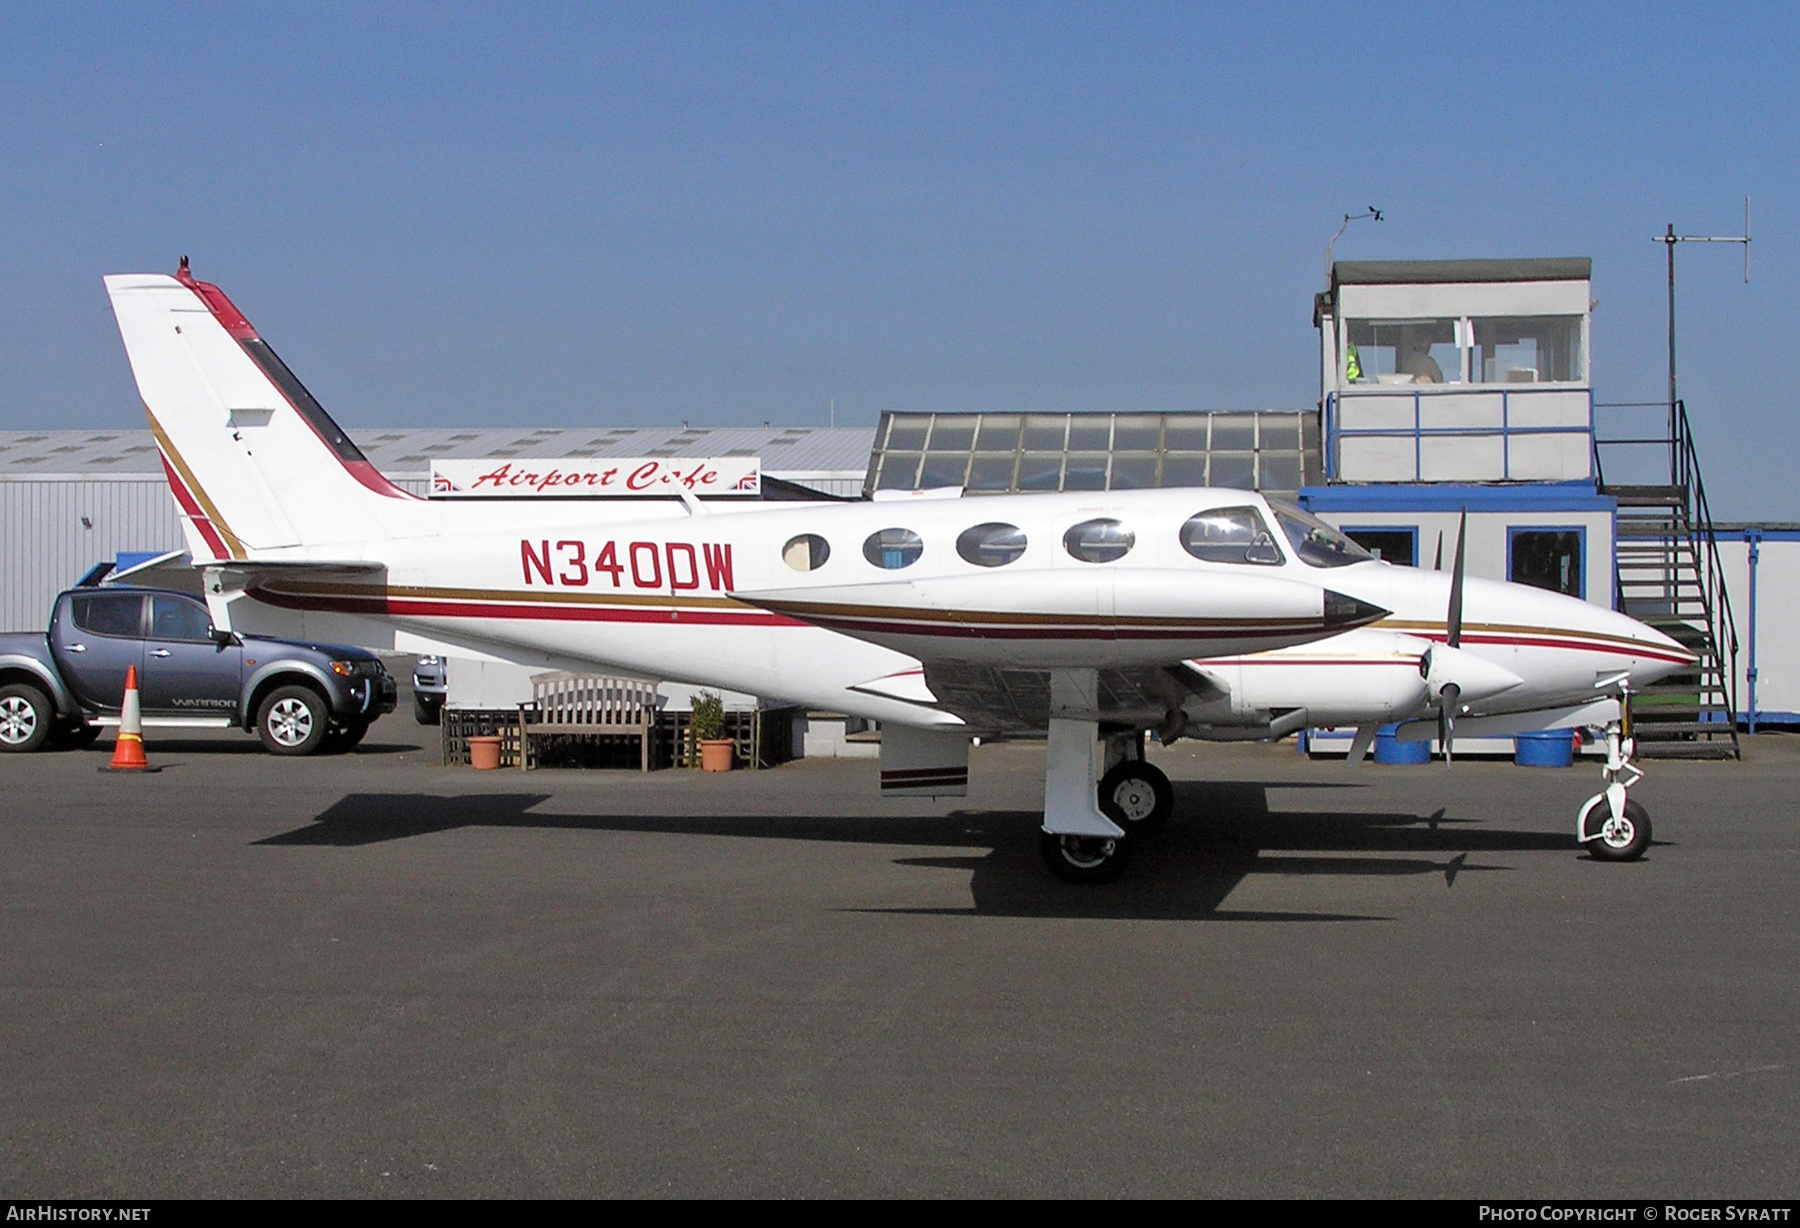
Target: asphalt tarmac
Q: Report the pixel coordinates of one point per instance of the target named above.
(371, 975)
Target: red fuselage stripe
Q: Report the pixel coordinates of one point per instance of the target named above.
(409, 608)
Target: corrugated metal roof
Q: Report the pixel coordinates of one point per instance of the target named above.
(408, 452)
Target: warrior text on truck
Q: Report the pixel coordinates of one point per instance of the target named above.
(64, 687)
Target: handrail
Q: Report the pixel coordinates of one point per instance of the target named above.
(1725, 619)
(1695, 523)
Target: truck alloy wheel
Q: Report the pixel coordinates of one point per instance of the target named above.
(292, 721)
(25, 717)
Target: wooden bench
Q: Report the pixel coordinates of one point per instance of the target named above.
(587, 705)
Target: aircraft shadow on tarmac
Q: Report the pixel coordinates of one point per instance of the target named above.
(1223, 831)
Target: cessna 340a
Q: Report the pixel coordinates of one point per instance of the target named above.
(1092, 617)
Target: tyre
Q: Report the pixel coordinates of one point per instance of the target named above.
(427, 711)
(292, 721)
(1136, 796)
(344, 737)
(1621, 839)
(26, 717)
(1084, 859)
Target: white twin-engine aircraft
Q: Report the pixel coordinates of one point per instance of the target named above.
(1092, 617)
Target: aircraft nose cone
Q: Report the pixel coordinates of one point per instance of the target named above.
(1343, 612)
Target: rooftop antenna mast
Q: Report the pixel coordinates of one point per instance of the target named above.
(1669, 239)
(1371, 214)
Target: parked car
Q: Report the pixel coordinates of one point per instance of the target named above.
(431, 682)
(64, 687)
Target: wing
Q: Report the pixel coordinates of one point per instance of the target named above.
(997, 700)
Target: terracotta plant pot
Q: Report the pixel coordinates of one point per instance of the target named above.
(484, 753)
(716, 754)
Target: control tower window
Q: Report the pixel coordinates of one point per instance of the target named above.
(1527, 350)
(1402, 352)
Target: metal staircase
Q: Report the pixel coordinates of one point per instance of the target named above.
(1667, 573)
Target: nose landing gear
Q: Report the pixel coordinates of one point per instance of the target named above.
(1610, 825)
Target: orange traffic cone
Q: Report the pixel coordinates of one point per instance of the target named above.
(128, 751)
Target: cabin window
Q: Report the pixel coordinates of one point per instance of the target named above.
(991, 545)
(1099, 541)
(1397, 546)
(1230, 535)
(1546, 558)
(892, 549)
(1317, 543)
(806, 552)
(171, 618)
(109, 614)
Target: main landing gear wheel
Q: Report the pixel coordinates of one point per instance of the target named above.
(1136, 796)
(1084, 859)
(1622, 839)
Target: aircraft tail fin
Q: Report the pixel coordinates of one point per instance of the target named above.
(253, 460)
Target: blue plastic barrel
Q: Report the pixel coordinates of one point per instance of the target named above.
(1390, 749)
(1552, 748)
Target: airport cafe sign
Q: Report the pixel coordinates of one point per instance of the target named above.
(596, 478)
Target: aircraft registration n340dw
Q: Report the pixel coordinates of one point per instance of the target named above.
(1091, 617)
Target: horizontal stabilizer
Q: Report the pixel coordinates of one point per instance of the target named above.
(920, 763)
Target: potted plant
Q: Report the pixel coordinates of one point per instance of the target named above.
(709, 731)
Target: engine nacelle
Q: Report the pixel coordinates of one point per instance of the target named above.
(1475, 678)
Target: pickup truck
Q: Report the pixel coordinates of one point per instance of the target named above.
(63, 688)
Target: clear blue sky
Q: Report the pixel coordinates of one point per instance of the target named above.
(604, 215)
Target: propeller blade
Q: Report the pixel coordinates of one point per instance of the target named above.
(1447, 699)
(1359, 745)
(1437, 564)
(1453, 623)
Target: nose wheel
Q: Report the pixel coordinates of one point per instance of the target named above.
(1621, 837)
(1610, 826)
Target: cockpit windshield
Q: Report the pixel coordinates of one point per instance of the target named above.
(1317, 543)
